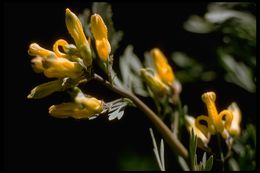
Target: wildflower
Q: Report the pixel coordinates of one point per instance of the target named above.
(45, 89)
(99, 31)
(83, 107)
(36, 50)
(75, 29)
(90, 103)
(216, 123)
(235, 125)
(162, 66)
(53, 66)
(154, 82)
(37, 64)
(190, 123)
(61, 67)
(63, 44)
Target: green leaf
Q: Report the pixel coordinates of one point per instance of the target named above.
(130, 65)
(116, 108)
(209, 164)
(183, 164)
(159, 157)
(85, 20)
(237, 72)
(233, 165)
(192, 149)
(198, 24)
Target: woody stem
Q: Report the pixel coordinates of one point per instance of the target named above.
(168, 136)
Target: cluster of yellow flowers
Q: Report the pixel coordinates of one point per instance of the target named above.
(71, 64)
(75, 60)
(227, 122)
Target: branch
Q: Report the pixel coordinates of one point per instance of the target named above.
(172, 140)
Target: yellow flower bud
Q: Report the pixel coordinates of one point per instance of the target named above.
(235, 125)
(83, 107)
(162, 66)
(61, 67)
(99, 31)
(90, 103)
(45, 89)
(75, 29)
(154, 82)
(36, 50)
(70, 109)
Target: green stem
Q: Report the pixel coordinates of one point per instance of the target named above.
(221, 151)
(171, 139)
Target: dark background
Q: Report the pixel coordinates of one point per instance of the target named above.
(35, 141)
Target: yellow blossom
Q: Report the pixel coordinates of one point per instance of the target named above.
(162, 66)
(154, 82)
(99, 31)
(90, 103)
(190, 123)
(56, 45)
(36, 50)
(75, 29)
(52, 65)
(82, 108)
(70, 109)
(235, 125)
(215, 121)
(61, 67)
(37, 64)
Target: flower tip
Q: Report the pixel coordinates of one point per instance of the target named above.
(29, 96)
(68, 11)
(208, 96)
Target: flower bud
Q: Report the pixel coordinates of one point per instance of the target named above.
(36, 50)
(154, 82)
(235, 129)
(75, 29)
(45, 89)
(70, 109)
(162, 66)
(99, 31)
(90, 103)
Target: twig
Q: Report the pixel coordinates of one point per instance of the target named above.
(171, 139)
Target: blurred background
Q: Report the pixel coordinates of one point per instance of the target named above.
(35, 141)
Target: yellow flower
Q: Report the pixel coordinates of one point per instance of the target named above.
(235, 125)
(36, 50)
(162, 66)
(63, 44)
(99, 31)
(89, 103)
(75, 29)
(215, 122)
(61, 67)
(190, 124)
(154, 82)
(45, 89)
(84, 108)
(70, 109)
(37, 64)
(51, 65)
